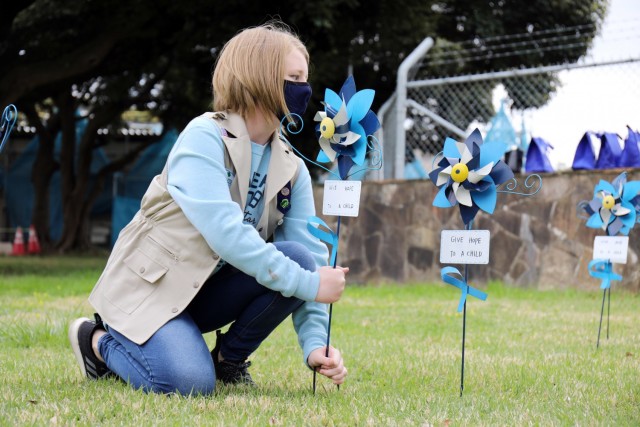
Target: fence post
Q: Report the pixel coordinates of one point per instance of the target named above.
(401, 104)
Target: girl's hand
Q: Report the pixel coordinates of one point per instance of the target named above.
(331, 367)
(332, 282)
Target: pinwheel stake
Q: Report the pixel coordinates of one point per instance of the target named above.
(345, 133)
(468, 175)
(9, 117)
(615, 208)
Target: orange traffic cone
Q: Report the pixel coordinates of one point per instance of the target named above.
(18, 243)
(34, 244)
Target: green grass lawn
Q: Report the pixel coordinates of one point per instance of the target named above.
(531, 359)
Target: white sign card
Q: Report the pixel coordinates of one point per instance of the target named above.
(341, 198)
(464, 246)
(612, 248)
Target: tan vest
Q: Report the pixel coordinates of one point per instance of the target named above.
(160, 260)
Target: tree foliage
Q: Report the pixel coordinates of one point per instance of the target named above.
(58, 57)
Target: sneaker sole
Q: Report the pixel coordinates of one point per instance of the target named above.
(75, 344)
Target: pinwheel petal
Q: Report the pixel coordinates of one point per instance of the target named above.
(606, 216)
(465, 154)
(319, 116)
(443, 176)
(349, 138)
(606, 187)
(491, 153)
(619, 210)
(595, 205)
(360, 147)
(631, 190)
(628, 220)
(463, 195)
(501, 173)
(477, 175)
(342, 117)
(473, 141)
(468, 213)
(433, 175)
(451, 149)
(441, 200)
(486, 200)
(616, 226)
(595, 221)
(348, 88)
(327, 150)
(360, 103)
(344, 166)
(332, 99)
(619, 183)
(322, 157)
(370, 123)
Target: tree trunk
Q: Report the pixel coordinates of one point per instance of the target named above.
(44, 167)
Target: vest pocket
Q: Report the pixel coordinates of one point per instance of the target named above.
(131, 286)
(144, 266)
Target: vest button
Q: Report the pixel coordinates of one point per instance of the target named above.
(216, 257)
(174, 310)
(196, 284)
(260, 230)
(142, 270)
(280, 221)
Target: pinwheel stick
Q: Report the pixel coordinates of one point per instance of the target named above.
(608, 309)
(464, 318)
(605, 295)
(335, 263)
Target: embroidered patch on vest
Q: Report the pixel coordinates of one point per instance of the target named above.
(284, 198)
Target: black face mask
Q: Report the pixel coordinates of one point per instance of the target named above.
(296, 96)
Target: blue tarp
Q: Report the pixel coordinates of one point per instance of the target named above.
(537, 159)
(611, 154)
(501, 130)
(132, 185)
(610, 151)
(631, 154)
(19, 192)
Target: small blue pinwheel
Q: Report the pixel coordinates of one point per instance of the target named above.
(468, 175)
(615, 206)
(344, 125)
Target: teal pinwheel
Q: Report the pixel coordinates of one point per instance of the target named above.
(344, 126)
(468, 175)
(615, 206)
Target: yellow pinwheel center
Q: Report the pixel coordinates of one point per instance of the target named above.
(608, 202)
(327, 128)
(460, 172)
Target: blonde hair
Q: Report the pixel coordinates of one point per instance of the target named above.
(250, 69)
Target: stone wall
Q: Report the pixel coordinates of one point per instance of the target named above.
(536, 241)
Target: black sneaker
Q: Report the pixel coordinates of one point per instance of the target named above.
(80, 334)
(229, 372)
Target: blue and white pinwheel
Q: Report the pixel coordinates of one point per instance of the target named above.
(345, 124)
(468, 175)
(615, 206)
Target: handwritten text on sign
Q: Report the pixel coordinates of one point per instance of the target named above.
(464, 247)
(341, 198)
(613, 248)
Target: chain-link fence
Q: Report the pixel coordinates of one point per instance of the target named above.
(426, 110)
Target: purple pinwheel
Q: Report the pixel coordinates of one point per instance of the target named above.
(615, 206)
(345, 124)
(468, 175)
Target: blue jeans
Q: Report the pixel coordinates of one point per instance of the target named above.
(176, 358)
